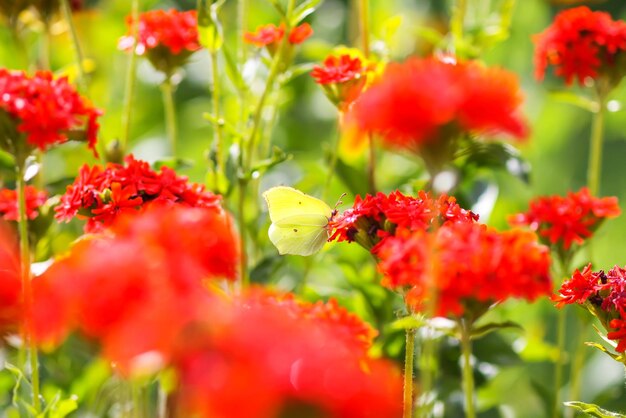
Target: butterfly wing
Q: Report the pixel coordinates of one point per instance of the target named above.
(288, 206)
(302, 240)
(299, 221)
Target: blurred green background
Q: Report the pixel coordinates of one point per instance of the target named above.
(513, 369)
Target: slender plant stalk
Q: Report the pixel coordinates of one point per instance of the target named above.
(131, 76)
(67, 13)
(560, 341)
(26, 282)
(333, 158)
(218, 132)
(364, 29)
(458, 19)
(408, 373)
(468, 374)
(44, 46)
(595, 154)
(170, 112)
(577, 366)
(243, 247)
(161, 401)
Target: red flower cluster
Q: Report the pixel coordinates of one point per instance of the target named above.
(167, 38)
(273, 358)
(173, 30)
(102, 193)
(342, 77)
(603, 294)
(375, 217)
(133, 289)
(567, 220)
(580, 43)
(10, 282)
(463, 268)
(268, 35)
(45, 109)
(9, 204)
(424, 101)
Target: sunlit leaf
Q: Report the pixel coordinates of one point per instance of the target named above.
(593, 410)
(303, 10)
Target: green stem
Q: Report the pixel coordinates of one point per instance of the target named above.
(364, 26)
(458, 19)
(408, 373)
(243, 253)
(558, 372)
(563, 268)
(595, 154)
(468, 373)
(577, 366)
(67, 13)
(218, 133)
(170, 112)
(44, 47)
(371, 165)
(333, 159)
(26, 281)
(131, 76)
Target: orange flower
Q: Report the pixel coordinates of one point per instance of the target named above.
(269, 35)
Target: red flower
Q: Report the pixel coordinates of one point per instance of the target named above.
(424, 101)
(101, 194)
(263, 360)
(44, 109)
(10, 282)
(604, 295)
(376, 216)
(134, 289)
(300, 34)
(9, 204)
(579, 288)
(173, 30)
(167, 38)
(461, 265)
(270, 34)
(580, 43)
(342, 77)
(569, 219)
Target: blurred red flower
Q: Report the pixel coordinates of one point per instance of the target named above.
(44, 109)
(580, 43)
(568, 220)
(11, 309)
(270, 34)
(9, 204)
(464, 267)
(173, 30)
(166, 38)
(101, 194)
(420, 103)
(268, 358)
(122, 288)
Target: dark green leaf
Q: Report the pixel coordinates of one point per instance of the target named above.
(351, 177)
(483, 330)
(264, 270)
(175, 163)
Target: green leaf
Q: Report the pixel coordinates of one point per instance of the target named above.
(614, 356)
(577, 100)
(278, 156)
(593, 410)
(483, 330)
(210, 29)
(175, 163)
(64, 407)
(263, 271)
(350, 177)
(233, 72)
(303, 10)
(497, 155)
(409, 322)
(279, 8)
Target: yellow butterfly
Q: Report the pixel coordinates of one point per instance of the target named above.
(299, 221)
